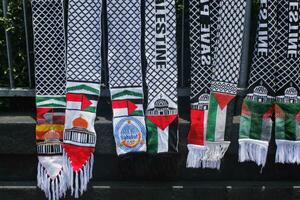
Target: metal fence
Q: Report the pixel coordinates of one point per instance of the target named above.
(10, 86)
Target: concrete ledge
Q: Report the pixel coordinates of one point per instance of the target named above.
(165, 190)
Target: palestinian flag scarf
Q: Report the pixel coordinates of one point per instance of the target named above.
(83, 90)
(203, 18)
(161, 76)
(287, 105)
(257, 108)
(125, 75)
(225, 77)
(49, 50)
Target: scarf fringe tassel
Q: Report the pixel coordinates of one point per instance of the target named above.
(195, 155)
(214, 154)
(253, 150)
(78, 180)
(54, 188)
(287, 152)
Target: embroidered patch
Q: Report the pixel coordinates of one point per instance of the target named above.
(130, 134)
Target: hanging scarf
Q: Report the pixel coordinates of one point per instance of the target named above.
(225, 77)
(49, 49)
(83, 90)
(161, 76)
(125, 73)
(287, 106)
(257, 108)
(203, 34)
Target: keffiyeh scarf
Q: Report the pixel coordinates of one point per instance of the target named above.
(161, 76)
(125, 73)
(83, 90)
(257, 108)
(225, 77)
(203, 19)
(49, 49)
(287, 105)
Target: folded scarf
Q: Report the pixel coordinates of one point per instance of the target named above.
(161, 76)
(287, 104)
(49, 50)
(203, 18)
(125, 75)
(225, 77)
(83, 90)
(257, 109)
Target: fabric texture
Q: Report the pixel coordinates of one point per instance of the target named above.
(203, 18)
(49, 49)
(258, 108)
(225, 77)
(161, 76)
(125, 75)
(83, 90)
(287, 104)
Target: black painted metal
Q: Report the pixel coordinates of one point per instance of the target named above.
(8, 48)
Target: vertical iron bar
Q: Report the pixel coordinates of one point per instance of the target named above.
(27, 43)
(104, 44)
(244, 68)
(8, 47)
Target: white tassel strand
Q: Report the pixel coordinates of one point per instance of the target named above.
(195, 155)
(214, 154)
(54, 187)
(287, 152)
(253, 150)
(79, 180)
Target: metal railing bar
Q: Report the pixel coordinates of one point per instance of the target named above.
(8, 47)
(27, 43)
(104, 44)
(244, 67)
(17, 92)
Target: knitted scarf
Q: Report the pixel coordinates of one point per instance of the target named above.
(225, 77)
(125, 73)
(49, 49)
(161, 76)
(83, 89)
(257, 108)
(287, 105)
(203, 18)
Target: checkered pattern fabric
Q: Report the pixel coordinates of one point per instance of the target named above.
(49, 50)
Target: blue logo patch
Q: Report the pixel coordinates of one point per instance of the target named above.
(130, 134)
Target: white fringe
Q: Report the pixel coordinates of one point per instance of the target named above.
(214, 154)
(253, 150)
(195, 155)
(287, 151)
(78, 181)
(54, 187)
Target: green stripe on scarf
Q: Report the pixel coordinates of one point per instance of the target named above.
(137, 113)
(257, 109)
(83, 87)
(286, 126)
(126, 92)
(211, 122)
(43, 98)
(152, 137)
(245, 125)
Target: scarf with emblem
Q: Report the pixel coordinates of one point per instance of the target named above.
(49, 50)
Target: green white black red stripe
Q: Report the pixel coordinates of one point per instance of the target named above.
(224, 78)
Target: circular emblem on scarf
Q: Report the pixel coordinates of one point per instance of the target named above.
(130, 134)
